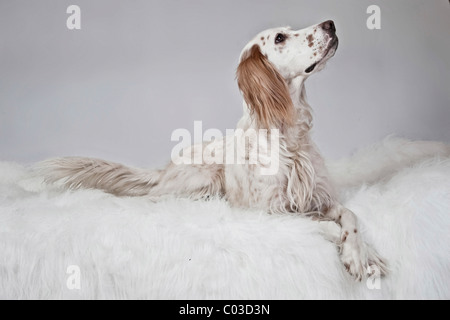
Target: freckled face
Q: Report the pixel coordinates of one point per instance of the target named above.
(300, 52)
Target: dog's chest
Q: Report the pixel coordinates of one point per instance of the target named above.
(263, 185)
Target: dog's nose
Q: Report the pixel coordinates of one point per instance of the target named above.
(328, 26)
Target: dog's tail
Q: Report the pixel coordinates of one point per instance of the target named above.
(87, 173)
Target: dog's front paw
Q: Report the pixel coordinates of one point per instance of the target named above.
(377, 265)
(359, 259)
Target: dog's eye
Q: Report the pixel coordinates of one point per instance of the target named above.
(279, 38)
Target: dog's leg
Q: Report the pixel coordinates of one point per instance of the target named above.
(356, 255)
(194, 181)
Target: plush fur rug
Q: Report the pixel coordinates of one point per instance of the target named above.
(180, 249)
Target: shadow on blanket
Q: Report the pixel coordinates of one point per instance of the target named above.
(180, 249)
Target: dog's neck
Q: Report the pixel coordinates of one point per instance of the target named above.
(304, 113)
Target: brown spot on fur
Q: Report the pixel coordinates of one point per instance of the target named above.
(268, 37)
(264, 90)
(264, 43)
(296, 34)
(355, 231)
(315, 53)
(262, 38)
(345, 236)
(310, 39)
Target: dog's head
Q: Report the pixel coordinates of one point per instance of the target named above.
(275, 57)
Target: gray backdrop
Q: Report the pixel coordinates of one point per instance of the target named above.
(137, 70)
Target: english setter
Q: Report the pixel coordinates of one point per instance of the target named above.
(271, 74)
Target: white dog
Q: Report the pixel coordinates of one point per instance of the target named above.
(271, 75)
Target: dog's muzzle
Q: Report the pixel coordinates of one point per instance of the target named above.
(330, 29)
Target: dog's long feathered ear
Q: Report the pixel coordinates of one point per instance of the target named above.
(264, 90)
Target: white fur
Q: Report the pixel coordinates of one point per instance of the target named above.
(184, 249)
(271, 74)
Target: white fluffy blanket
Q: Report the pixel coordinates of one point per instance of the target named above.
(179, 249)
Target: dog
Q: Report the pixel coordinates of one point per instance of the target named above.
(271, 74)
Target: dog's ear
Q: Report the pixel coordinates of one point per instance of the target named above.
(264, 89)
